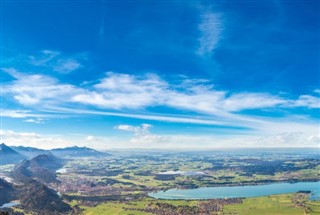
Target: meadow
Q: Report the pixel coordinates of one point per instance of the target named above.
(266, 205)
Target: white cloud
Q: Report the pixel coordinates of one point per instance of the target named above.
(134, 96)
(33, 139)
(123, 92)
(35, 89)
(176, 141)
(46, 141)
(137, 130)
(91, 138)
(56, 61)
(66, 65)
(164, 118)
(126, 128)
(19, 113)
(287, 139)
(317, 91)
(44, 58)
(117, 91)
(314, 138)
(141, 134)
(148, 140)
(306, 101)
(294, 137)
(210, 28)
(34, 120)
(242, 101)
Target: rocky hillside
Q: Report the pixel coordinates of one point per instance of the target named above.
(40, 199)
(42, 168)
(7, 191)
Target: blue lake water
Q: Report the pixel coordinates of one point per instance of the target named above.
(184, 173)
(62, 170)
(10, 204)
(240, 191)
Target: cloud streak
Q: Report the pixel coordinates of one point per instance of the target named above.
(210, 28)
(33, 139)
(129, 92)
(56, 61)
(293, 138)
(142, 135)
(137, 130)
(132, 96)
(30, 90)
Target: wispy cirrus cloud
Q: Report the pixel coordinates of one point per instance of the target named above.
(306, 101)
(287, 139)
(143, 129)
(292, 138)
(30, 116)
(66, 65)
(35, 120)
(141, 134)
(176, 141)
(146, 116)
(20, 113)
(210, 29)
(57, 61)
(135, 96)
(118, 91)
(317, 91)
(44, 58)
(33, 139)
(50, 141)
(36, 88)
(122, 91)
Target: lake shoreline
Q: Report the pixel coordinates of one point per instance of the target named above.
(10, 204)
(245, 183)
(206, 193)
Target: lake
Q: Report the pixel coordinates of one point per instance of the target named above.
(10, 204)
(240, 191)
(183, 173)
(62, 170)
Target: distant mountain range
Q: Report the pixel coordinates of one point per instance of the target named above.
(75, 151)
(30, 152)
(14, 154)
(9, 156)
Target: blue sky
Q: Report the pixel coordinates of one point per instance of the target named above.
(160, 74)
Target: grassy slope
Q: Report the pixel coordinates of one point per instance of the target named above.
(110, 208)
(114, 208)
(276, 204)
(314, 207)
